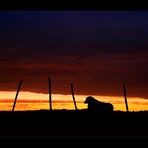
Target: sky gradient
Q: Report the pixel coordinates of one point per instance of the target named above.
(97, 51)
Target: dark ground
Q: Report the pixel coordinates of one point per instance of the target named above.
(67, 127)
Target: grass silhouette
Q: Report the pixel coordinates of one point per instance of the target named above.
(73, 126)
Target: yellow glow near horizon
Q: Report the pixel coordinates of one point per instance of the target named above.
(40, 101)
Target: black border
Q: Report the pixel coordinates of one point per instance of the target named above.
(74, 5)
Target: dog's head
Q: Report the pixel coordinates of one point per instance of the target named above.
(89, 99)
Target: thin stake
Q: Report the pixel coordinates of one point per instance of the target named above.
(19, 86)
(124, 89)
(50, 99)
(72, 91)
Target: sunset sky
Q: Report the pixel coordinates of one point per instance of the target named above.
(98, 51)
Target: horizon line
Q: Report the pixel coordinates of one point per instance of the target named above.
(67, 94)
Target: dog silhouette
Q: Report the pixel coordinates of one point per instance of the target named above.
(94, 104)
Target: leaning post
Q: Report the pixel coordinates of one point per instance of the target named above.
(19, 86)
(72, 91)
(126, 103)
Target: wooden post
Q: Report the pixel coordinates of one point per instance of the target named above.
(72, 91)
(126, 103)
(19, 86)
(50, 100)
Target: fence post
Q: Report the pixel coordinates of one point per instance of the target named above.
(126, 103)
(50, 99)
(19, 86)
(72, 91)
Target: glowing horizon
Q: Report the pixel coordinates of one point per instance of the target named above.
(30, 101)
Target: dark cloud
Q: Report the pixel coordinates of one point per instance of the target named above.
(97, 51)
(97, 74)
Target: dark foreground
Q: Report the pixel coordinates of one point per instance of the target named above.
(62, 127)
